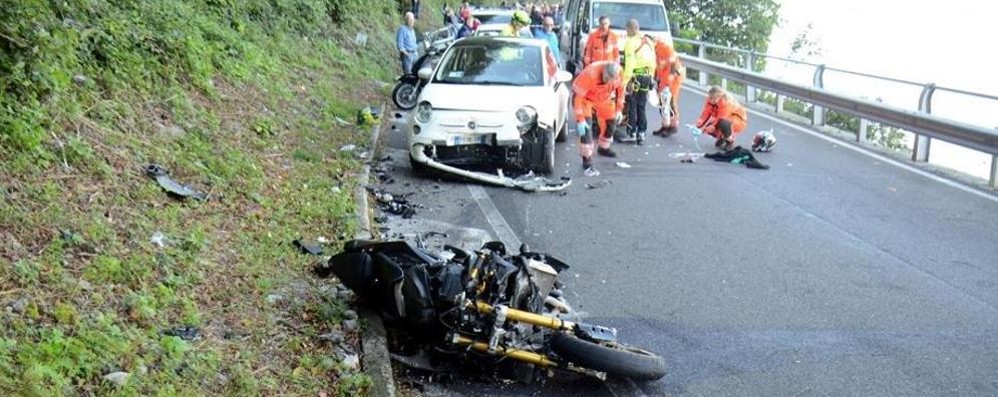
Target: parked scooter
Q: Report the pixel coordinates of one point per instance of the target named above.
(408, 85)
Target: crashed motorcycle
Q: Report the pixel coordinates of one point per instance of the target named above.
(486, 305)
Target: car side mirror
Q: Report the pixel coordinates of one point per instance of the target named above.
(674, 29)
(425, 73)
(562, 76)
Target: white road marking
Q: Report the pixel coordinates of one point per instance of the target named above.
(867, 152)
(503, 232)
(627, 387)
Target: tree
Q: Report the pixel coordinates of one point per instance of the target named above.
(744, 24)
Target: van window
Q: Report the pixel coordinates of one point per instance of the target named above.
(651, 17)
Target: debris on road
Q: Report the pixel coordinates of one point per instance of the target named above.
(738, 155)
(622, 164)
(591, 172)
(394, 204)
(598, 184)
(172, 187)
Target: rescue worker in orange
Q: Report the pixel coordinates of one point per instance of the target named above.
(594, 91)
(670, 74)
(722, 117)
(601, 45)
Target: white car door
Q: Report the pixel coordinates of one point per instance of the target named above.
(561, 91)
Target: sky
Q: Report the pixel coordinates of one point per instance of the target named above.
(950, 43)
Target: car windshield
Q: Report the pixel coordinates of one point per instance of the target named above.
(493, 18)
(651, 17)
(492, 63)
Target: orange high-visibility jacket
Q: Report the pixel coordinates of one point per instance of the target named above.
(667, 60)
(732, 111)
(601, 46)
(588, 86)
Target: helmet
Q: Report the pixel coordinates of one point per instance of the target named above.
(763, 141)
(521, 17)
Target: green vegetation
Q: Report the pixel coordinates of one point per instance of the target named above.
(734, 23)
(240, 99)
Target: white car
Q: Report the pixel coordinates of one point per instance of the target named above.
(492, 21)
(491, 101)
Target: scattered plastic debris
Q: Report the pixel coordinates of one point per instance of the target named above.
(172, 187)
(342, 122)
(394, 204)
(622, 164)
(306, 248)
(591, 172)
(158, 239)
(348, 147)
(598, 184)
(187, 332)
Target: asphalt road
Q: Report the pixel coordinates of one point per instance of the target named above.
(832, 273)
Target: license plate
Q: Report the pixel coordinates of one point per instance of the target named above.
(468, 139)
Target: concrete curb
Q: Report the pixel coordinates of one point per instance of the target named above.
(375, 359)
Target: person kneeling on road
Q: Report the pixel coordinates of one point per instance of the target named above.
(722, 117)
(594, 91)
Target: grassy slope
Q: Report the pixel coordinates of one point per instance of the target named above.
(236, 97)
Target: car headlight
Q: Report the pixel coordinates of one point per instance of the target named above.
(526, 116)
(423, 112)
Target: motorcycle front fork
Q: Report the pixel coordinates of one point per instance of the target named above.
(506, 314)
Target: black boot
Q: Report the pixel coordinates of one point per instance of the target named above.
(606, 152)
(641, 139)
(587, 162)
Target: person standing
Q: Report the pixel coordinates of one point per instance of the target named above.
(517, 26)
(594, 91)
(639, 65)
(601, 45)
(415, 8)
(722, 117)
(468, 28)
(670, 74)
(405, 41)
(547, 33)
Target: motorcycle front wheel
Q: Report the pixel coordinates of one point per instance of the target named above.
(613, 358)
(404, 95)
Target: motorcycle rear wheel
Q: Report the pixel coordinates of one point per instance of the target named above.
(404, 95)
(613, 358)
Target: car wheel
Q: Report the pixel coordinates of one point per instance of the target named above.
(545, 162)
(562, 132)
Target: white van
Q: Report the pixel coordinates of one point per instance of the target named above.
(582, 16)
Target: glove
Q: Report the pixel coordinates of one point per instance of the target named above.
(617, 118)
(582, 127)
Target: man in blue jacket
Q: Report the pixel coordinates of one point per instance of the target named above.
(547, 33)
(405, 41)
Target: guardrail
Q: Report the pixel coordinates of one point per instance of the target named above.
(922, 123)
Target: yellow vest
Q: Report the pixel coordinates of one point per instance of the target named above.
(639, 53)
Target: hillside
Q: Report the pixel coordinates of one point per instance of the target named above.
(101, 272)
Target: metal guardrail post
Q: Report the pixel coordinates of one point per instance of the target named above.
(779, 102)
(922, 143)
(702, 54)
(864, 125)
(994, 170)
(750, 65)
(818, 117)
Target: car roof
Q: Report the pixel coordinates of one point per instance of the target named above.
(492, 12)
(529, 41)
